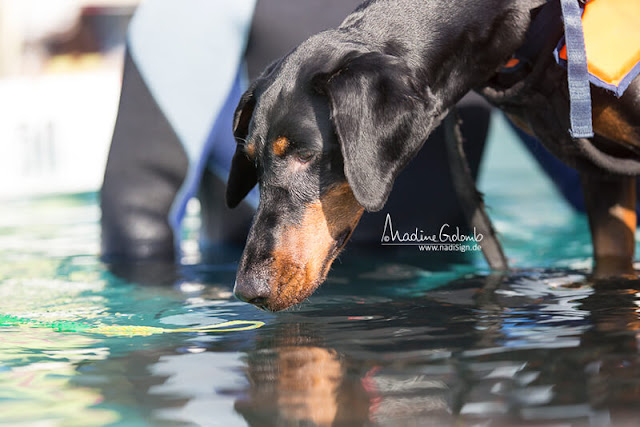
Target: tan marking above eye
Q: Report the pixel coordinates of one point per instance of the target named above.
(250, 150)
(280, 146)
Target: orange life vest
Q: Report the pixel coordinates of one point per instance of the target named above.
(612, 41)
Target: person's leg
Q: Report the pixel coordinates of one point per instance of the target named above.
(182, 61)
(145, 169)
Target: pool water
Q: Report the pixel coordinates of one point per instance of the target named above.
(381, 343)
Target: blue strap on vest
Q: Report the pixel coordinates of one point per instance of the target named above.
(577, 71)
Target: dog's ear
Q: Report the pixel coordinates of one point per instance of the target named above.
(243, 175)
(380, 120)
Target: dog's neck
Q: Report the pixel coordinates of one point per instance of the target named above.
(462, 44)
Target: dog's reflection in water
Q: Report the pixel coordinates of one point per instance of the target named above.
(302, 384)
(308, 385)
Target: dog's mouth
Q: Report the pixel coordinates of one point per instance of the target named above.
(289, 294)
(294, 283)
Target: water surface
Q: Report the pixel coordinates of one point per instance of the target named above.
(384, 342)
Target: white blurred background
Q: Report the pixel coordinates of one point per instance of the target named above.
(60, 77)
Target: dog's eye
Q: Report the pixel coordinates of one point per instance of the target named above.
(305, 156)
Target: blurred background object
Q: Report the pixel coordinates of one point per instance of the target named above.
(60, 75)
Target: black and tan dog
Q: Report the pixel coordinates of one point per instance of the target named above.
(326, 130)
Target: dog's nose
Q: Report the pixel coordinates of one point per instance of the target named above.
(253, 292)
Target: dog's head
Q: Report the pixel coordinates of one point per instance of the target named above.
(324, 131)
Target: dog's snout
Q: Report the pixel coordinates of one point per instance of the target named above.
(253, 292)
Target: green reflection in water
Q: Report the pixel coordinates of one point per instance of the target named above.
(50, 272)
(38, 367)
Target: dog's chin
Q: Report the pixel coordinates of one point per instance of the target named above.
(288, 296)
(295, 283)
(295, 288)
